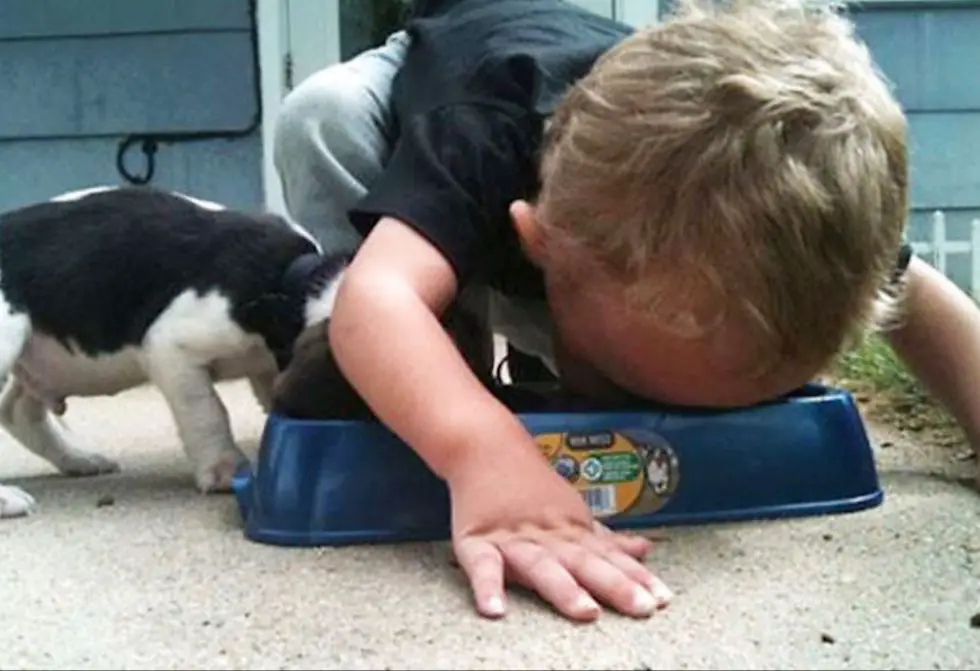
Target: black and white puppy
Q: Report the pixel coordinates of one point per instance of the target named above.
(108, 288)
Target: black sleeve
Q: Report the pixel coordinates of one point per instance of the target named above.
(452, 176)
(905, 254)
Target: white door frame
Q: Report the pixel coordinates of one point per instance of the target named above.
(296, 38)
(637, 13)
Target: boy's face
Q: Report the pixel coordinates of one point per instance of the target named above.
(608, 351)
(605, 351)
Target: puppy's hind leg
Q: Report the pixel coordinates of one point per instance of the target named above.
(15, 502)
(35, 427)
(15, 329)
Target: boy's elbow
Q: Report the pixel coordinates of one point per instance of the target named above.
(930, 295)
(935, 312)
(365, 300)
(350, 304)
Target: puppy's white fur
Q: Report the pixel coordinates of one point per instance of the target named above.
(192, 344)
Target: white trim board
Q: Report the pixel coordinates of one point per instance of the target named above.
(272, 51)
(306, 35)
(637, 13)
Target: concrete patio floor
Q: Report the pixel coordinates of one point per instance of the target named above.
(164, 578)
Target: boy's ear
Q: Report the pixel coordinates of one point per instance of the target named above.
(524, 216)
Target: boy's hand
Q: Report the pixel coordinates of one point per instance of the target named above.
(517, 520)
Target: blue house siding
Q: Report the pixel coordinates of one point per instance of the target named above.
(932, 55)
(77, 77)
(931, 52)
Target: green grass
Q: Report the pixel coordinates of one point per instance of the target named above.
(874, 366)
(887, 392)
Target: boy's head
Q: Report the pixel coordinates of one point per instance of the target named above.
(722, 205)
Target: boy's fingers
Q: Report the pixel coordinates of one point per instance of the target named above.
(633, 545)
(566, 575)
(484, 566)
(636, 547)
(602, 574)
(641, 575)
(538, 569)
(633, 550)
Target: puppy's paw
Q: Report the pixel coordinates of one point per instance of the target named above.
(215, 475)
(15, 502)
(82, 463)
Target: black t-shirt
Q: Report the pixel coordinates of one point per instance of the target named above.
(469, 105)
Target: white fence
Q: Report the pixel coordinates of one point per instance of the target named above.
(937, 250)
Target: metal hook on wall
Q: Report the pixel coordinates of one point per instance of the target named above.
(149, 147)
(150, 142)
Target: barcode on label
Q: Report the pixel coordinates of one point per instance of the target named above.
(601, 500)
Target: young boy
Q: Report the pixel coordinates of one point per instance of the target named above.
(703, 212)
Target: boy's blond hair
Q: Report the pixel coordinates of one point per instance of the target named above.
(750, 153)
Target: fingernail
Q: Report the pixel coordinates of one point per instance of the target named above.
(494, 607)
(585, 603)
(661, 593)
(644, 602)
(655, 584)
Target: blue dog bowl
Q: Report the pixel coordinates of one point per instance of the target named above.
(327, 482)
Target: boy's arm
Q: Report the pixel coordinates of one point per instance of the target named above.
(386, 335)
(939, 341)
(512, 514)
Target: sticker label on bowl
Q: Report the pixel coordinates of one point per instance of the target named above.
(615, 472)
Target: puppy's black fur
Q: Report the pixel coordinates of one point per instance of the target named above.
(97, 271)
